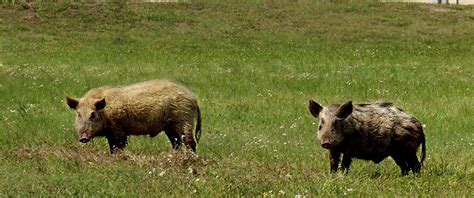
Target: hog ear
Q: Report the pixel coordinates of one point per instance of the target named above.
(72, 103)
(314, 108)
(99, 105)
(344, 110)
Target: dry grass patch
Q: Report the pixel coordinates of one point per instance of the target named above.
(170, 159)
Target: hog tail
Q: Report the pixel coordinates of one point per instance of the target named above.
(423, 147)
(198, 125)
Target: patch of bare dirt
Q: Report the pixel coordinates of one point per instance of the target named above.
(439, 9)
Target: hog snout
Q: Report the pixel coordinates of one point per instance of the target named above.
(326, 144)
(84, 138)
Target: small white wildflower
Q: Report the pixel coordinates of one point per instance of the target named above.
(281, 192)
(293, 125)
(192, 170)
(424, 126)
(162, 173)
(349, 190)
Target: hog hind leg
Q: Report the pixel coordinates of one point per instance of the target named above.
(185, 129)
(174, 136)
(413, 163)
(189, 137)
(401, 161)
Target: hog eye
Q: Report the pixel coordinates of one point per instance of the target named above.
(320, 127)
(92, 115)
(337, 125)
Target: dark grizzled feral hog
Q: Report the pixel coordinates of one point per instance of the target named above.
(369, 132)
(139, 109)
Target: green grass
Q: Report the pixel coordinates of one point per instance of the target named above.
(253, 67)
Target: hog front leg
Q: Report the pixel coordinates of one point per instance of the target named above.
(334, 158)
(117, 141)
(346, 163)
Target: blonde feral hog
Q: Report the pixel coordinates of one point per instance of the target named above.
(139, 109)
(370, 132)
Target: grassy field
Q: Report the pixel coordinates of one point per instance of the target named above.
(253, 67)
